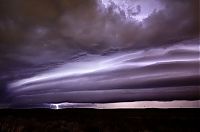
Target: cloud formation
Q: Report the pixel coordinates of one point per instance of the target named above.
(154, 74)
(36, 31)
(138, 44)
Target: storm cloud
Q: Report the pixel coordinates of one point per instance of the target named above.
(108, 45)
(155, 74)
(36, 31)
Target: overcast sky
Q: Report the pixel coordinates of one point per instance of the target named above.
(98, 51)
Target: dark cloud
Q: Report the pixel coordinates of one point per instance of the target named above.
(132, 76)
(38, 28)
(36, 36)
(177, 22)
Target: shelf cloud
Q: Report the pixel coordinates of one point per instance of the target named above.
(98, 51)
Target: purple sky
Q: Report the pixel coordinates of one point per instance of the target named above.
(99, 51)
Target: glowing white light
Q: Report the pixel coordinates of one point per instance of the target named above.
(110, 63)
(55, 106)
(72, 70)
(69, 105)
(150, 104)
(132, 9)
(128, 105)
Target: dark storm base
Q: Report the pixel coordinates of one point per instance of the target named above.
(91, 120)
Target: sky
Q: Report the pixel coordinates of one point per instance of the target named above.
(99, 53)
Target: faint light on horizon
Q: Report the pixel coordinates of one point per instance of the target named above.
(55, 106)
(130, 105)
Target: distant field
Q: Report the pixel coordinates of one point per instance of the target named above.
(91, 120)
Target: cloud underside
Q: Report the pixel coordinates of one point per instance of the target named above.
(169, 73)
(81, 51)
(39, 32)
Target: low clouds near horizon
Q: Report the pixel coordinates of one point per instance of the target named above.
(37, 37)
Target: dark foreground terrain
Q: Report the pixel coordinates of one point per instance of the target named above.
(91, 120)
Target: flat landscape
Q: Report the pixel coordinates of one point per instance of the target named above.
(96, 120)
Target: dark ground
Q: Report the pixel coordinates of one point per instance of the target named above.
(91, 120)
